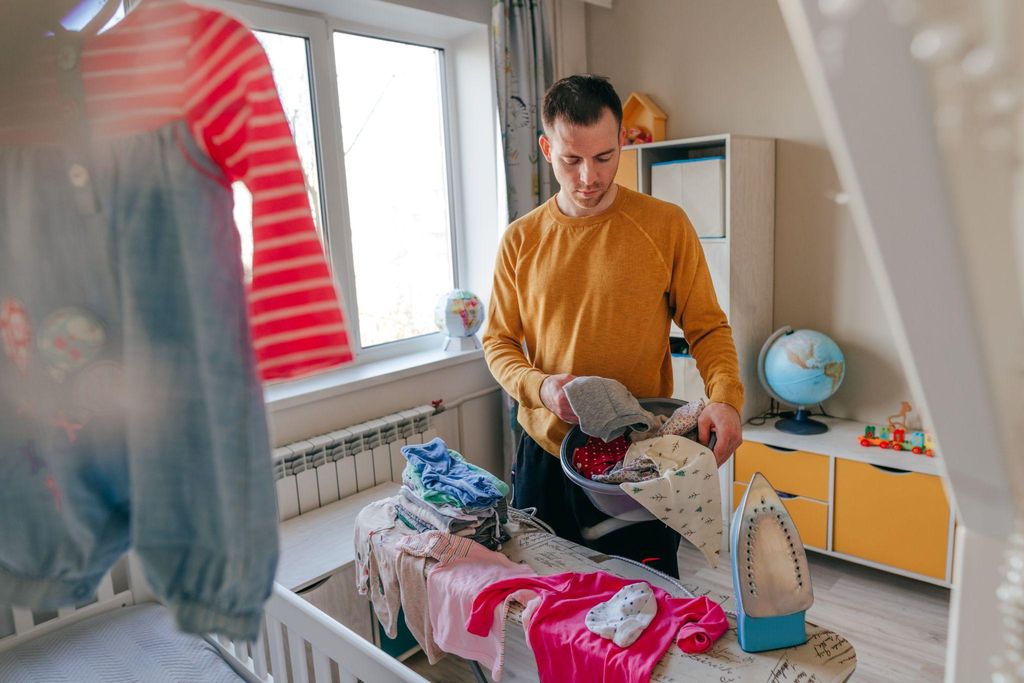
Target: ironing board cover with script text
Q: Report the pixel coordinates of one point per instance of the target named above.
(826, 656)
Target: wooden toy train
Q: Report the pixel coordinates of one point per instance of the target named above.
(919, 442)
(894, 435)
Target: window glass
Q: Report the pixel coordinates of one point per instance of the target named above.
(392, 119)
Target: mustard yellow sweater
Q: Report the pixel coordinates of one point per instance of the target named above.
(594, 296)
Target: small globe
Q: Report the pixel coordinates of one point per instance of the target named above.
(802, 367)
(459, 313)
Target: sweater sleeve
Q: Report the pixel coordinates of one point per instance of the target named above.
(704, 324)
(503, 340)
(236, 116)
(703, 622)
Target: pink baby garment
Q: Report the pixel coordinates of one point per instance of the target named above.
(464, 568)
(566, 650)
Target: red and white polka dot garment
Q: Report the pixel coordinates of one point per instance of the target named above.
(597, 457)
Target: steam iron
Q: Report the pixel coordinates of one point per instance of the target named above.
(769, 571)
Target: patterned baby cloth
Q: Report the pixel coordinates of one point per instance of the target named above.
(686, 495)
(641, 469)
(623, 618)
(597, 457)
(683, 420)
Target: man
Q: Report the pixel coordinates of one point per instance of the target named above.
(587, 284)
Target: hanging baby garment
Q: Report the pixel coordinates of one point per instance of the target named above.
(131, 408)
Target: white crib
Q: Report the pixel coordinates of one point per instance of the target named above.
(298, 643)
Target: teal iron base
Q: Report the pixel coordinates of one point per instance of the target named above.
(769, 571)
(757, 634)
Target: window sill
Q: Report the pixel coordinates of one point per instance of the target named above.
(364, 376)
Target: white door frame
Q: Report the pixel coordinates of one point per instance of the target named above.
(873, 101)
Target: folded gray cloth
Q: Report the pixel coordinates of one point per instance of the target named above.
(659, 422)
(606, 408)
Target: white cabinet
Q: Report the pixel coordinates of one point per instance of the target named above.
(726, 184)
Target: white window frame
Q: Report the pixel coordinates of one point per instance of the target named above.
(318, 29)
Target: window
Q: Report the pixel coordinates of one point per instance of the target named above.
(392, 124)
(372, 96)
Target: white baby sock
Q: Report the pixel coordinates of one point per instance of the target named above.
(625, 616)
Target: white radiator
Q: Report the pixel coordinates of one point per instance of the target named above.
(320, 470)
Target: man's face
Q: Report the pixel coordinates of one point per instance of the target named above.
(584, 159)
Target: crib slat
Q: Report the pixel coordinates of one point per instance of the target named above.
(276, 639)
(297, 652)
(346, 677)
(259, 656)
(23, 620)
(321, 667)
(241, 650)
(105, 591)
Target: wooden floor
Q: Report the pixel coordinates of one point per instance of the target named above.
(897, 625)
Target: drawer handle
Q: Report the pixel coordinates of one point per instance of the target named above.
(314, 586)
(890, 470)
(779, 448)
(784, 495)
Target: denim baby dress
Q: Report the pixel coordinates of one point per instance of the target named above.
(131, 406)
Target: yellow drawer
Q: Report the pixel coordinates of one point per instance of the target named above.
(795, 472)
(809, 516)
(892, 517)
(626, 175)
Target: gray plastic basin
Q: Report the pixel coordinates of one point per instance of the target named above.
(609, 498)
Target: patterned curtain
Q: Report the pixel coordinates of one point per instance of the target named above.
(523, 58)
(522, 47)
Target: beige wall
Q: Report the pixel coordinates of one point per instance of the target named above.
(727, 66)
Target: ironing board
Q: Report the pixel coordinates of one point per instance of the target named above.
(826, 656)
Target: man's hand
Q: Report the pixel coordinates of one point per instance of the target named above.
(724, 421)
(553, 397)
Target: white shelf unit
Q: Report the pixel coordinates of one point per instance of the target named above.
(741, 262)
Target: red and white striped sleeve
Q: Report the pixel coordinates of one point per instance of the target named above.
(233, 109)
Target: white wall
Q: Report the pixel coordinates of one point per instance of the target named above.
(474, 428)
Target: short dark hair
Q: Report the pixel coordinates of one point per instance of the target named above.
(580, 100)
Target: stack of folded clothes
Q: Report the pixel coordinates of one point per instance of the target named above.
(440, 490)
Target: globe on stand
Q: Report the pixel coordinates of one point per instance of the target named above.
(459, 314)
(801, 368)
